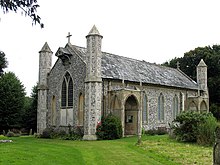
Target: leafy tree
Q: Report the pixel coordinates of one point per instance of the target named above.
(28, 7)
(211, 56)
(3, 62)
(30, 116)
(12, 101)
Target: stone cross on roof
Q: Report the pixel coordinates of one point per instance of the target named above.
(68, 36)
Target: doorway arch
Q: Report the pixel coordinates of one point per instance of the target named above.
(203, 106)
(131, 116)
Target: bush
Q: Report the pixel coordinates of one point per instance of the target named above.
(47, 133)
(110, 128)
(195, 127)
(187, 129)
(206, 131)
(60, 133)
(158, 131)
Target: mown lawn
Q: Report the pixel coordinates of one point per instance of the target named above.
(155, 150)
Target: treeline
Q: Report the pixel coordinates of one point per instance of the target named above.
(211, 56)
(17, 111)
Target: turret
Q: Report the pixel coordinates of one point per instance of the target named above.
(45, 61)
(94, 55)
(93, 84)
(202, 76)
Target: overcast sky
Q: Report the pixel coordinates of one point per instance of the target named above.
(151, 30)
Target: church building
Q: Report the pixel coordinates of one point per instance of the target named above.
(85, 84)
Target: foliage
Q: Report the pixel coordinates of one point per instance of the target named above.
(28, 7)
(158, 131)
(12, 101)
(3, 62)
(211, 56)
(30, 116)
(189, 127)
(60, 133)
(155, 150)
(110, 128)
(206, 131)
(47, 133)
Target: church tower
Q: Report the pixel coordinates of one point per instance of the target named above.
(202, 76)
(93, 84)
(203, 99)
(45, 61)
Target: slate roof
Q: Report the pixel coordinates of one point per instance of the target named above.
(119, 67)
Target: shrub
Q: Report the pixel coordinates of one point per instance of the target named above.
(187, 129)
(110, 128)
(195, 127)
(206, 131)
(60, 133)
(158, 131)
(47, 133)
(57, 133)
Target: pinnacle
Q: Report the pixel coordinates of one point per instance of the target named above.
(94, 31)
(202, 63)
(46, 48)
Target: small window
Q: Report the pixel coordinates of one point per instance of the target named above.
(129, 119)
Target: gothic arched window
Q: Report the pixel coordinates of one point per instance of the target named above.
(161, 107)
(175, 107)
(145, 109)
(67, 91)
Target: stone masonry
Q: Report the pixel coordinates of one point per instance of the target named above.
(136, 91)
(93, 84)
(45, 61)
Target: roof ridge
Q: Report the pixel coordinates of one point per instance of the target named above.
(155, 64)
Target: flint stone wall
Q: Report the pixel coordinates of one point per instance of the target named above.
(77, 71)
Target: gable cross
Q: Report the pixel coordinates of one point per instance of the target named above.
(68, 36)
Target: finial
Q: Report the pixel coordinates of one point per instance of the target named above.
(202, 63)
(46, 48)
(94, 31)
(68, 36)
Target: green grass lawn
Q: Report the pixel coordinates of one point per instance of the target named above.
(155, 150)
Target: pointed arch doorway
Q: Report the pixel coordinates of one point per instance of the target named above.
(131, 116)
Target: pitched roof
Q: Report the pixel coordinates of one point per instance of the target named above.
(119, 67)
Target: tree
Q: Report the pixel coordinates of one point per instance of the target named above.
(30, 117)
(211, 56)
(3, 62)
(12, 101)
(28, 7)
